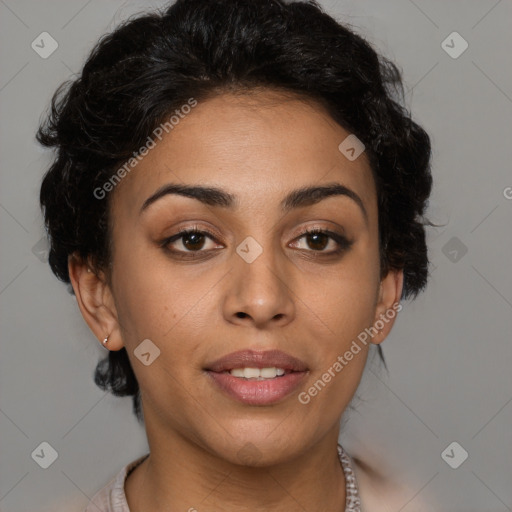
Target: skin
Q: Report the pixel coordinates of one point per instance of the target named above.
(257, 146)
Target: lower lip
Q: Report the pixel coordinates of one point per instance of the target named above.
(257, 392)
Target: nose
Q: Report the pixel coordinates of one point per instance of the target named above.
(259, 292)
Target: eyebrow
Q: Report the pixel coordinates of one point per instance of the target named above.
(213, 196)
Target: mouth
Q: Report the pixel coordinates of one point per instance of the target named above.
(249, 373)
(257, 378)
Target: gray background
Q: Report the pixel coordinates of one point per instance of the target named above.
(449, 353)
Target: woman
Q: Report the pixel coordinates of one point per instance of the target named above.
(237, 200)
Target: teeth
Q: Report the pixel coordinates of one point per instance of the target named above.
(257, 373)
(252, 373)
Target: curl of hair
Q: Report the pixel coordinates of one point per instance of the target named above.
(152, 64)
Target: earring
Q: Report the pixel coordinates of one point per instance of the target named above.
(105, 341)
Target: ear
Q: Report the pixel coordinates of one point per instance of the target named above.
(388, 304)
(95, 301)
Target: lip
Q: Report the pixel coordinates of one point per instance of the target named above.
(257, 392)
(257, 359)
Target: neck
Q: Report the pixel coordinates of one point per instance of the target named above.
(181, 475)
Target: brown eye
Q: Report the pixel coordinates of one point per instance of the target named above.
(191, 241)
(317, 240)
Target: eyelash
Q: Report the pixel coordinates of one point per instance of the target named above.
(343, 243)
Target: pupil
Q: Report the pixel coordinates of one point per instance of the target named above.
(197, 241)
(316, 237)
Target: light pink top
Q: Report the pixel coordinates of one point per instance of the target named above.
(112, 497)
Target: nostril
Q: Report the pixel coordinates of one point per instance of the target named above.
(241, 315)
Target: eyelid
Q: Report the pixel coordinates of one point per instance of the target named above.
(340, 239)
(342, 242)
(186, 230)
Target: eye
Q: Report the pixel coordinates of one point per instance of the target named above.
(318, 240)
(190, 240)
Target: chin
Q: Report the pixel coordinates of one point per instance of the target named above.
(257, 452)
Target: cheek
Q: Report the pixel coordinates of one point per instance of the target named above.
(164, 304)
(152, 305)
(353, 309)
(147, 298)
(348, 308)
(345, 302)
(346, 299)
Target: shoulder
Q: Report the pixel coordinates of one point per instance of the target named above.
(385, 488)
(111, 497)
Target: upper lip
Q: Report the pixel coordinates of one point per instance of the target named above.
(257, 359)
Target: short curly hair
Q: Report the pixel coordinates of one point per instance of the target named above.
(152, 63)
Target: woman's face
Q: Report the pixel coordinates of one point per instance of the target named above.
(254, 281)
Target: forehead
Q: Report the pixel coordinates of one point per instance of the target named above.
(256, 146)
